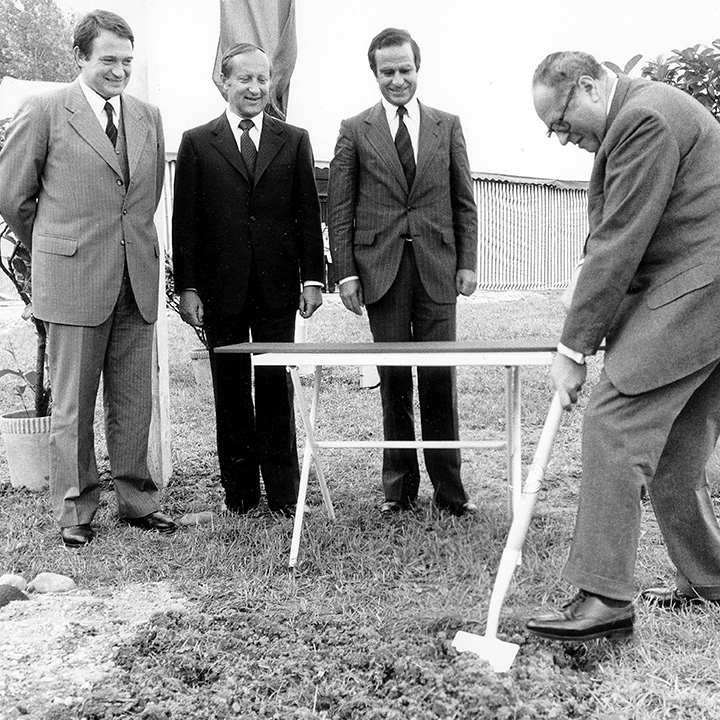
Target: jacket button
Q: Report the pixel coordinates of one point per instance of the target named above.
(119, 182)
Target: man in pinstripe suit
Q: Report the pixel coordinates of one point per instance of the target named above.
(80, 178)
(403, 231)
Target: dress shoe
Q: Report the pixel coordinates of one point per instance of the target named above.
(389, 507)
(585, 617)
(672, 598)
(75, 536)
(155, 521)
(469, 508)
(286, 510)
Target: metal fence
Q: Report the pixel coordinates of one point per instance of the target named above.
(531, 230)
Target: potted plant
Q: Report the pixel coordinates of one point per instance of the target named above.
(26, 432)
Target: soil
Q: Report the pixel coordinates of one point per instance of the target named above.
(54, 648)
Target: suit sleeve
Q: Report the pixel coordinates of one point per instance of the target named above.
(342, 190)
(22, 161)
(640, 171)
(307, 214)
(160, 156)
(465, 217)
(187, 215)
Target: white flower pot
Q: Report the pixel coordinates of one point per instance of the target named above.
(27, 445)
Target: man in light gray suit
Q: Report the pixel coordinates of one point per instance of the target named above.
(403, 231)
(80, 178)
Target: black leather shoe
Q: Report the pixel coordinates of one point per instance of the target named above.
(585, 617)
(389, 507)
(75, 536)
(672, 598)
(155, 521)
(287, 510)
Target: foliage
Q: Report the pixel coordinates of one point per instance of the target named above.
(15, 263)
(35, 41)
(695, 70)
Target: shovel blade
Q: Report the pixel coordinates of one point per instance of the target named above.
(498, 653)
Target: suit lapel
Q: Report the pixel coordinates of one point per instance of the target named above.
(271, 141)
(379, 138)
(224, 142)
(136, 131)
(428, 140)
(87, 126)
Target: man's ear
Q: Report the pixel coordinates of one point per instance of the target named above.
(78, 56)
(589, 85)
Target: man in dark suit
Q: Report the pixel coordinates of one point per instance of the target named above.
(80, 178)
(649, 285)
(246, 234)
(403, 233)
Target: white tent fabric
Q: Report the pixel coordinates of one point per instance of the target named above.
(12, 91)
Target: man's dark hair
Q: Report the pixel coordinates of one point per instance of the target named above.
(91, 25)
(239, 49)
(561, 70)
(392, 37)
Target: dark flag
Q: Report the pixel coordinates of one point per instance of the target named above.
(270, 24)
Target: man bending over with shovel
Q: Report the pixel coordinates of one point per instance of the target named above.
(649, 285)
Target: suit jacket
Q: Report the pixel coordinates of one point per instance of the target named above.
(370, 208)
(649, 283)
(63, 193)
(222, 221)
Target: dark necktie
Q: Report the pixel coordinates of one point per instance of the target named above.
(110, 129)
(247, 146)
(404, 147)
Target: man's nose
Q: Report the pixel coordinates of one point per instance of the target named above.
(563, 137)
(398, 79)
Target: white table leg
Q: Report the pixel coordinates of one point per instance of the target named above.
(310, 451)
(513, 420)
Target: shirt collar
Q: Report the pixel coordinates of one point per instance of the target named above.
(611, 95)
(97, 102)
(413, 110)
(234, 119)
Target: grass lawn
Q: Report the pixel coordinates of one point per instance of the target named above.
(362, 628)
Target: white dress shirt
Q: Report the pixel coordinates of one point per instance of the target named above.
(97, 105)
(255, 132)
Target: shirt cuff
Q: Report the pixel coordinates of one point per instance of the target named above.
(312, 283)
(348, 278)
(573, 355)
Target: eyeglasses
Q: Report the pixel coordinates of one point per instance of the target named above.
(561, 125)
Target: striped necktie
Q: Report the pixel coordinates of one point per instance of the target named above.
(404, 147)
(247, 146)
(110, 129)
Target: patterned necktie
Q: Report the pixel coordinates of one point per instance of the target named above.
(110, 130)
(404, 147)
(247, 146)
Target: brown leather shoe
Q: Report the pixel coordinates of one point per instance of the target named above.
(673, 599)
(585, 617)
(155, 521)
(75, 536)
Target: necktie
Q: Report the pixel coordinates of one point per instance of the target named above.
(404, 147)
(247, 146)
(110, 130)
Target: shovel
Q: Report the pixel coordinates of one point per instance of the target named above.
(498, 653)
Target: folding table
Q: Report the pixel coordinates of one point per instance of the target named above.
(511, 354)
